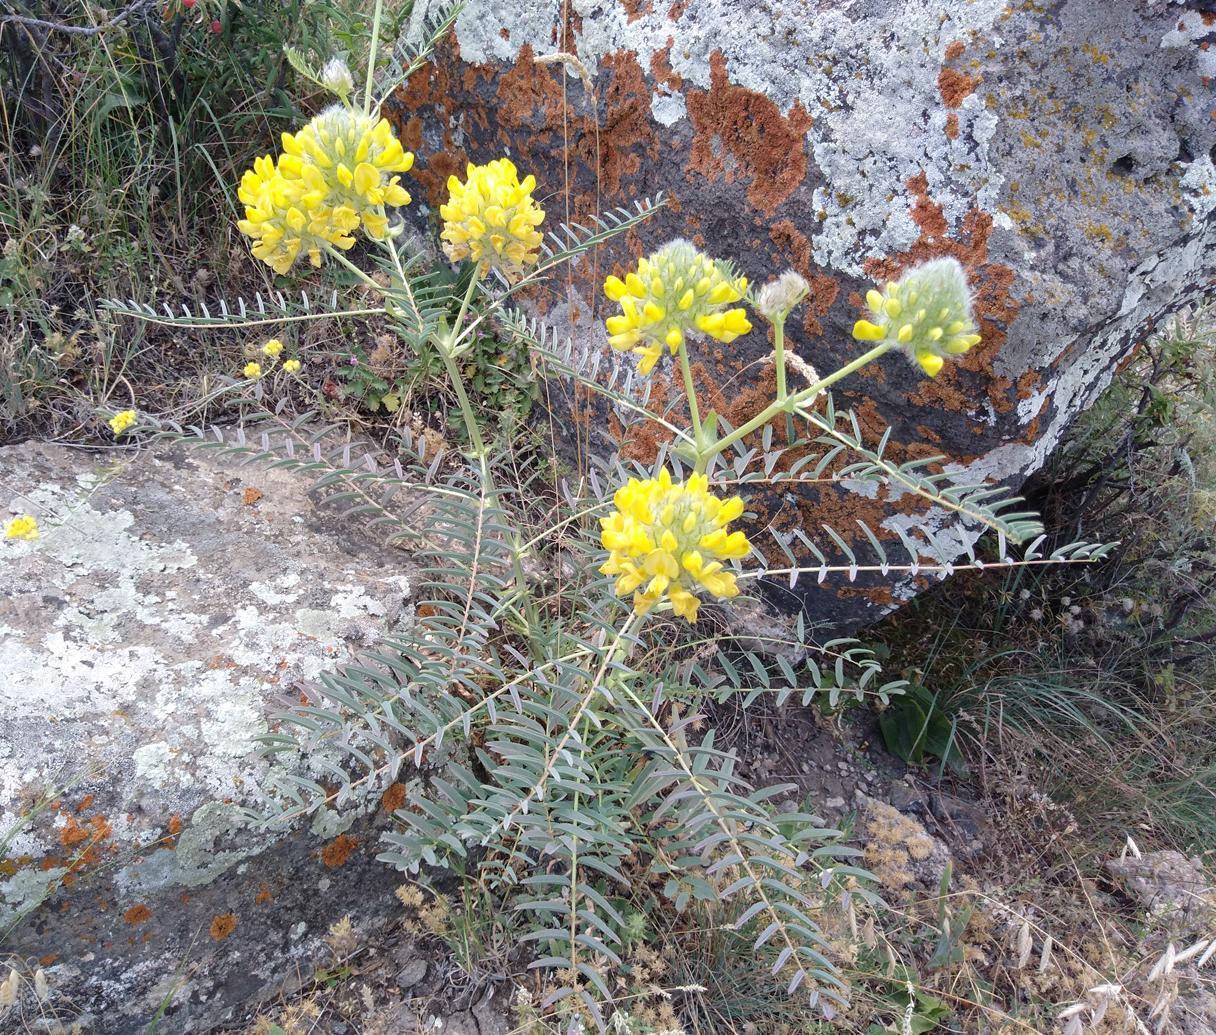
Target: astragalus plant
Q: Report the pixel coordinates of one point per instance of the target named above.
(546, 707)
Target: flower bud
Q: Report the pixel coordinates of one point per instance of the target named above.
(777, 299)
(336, 77)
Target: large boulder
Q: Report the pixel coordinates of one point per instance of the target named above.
(173, 604)
(1063, 153)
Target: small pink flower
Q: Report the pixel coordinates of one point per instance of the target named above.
(216, 27)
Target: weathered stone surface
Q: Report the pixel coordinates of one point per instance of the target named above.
(1172, 888)
(171, 606)
(1062, 152)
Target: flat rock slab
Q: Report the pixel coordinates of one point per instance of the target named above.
(1063, 153)
(173, 603)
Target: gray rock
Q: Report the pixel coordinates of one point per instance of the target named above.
(171, 607)
(1174, 889)
(1063, 153)
(411, 974)
(903, 796)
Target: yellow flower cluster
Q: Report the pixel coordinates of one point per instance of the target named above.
(669, 540)
(334, 176)
(926, 313)
(21, 527)
(121, 421)
(675, 291)
(492, 218)
(272, 350)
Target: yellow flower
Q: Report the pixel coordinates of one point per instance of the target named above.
(492, 218)
(292, 366)
(346, 160)
(926, 313)
(675, 291)
(21, 527)
(121, 421)
(253, 369)
(669, 540)
(333, 178)
(282, 224)
(272, 348)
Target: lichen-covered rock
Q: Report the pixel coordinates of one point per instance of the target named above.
(1062, 153)
(1174, 890)
(171, 606)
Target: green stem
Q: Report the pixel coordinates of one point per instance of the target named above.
(690, 390)
(779, 367)
(779, 357)
(458, 326)
(371, 57)
(789, 404)
(445, 345)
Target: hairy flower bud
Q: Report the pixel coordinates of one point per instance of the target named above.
(336, 77)
(926, 313)
(334, 176)
(21, 527)
(121, 421)
(492, 218)
(777, 299)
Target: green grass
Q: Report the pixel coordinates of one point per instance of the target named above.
(121, 155)
(1103, 681)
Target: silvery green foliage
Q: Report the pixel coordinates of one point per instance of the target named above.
(534, 751)
(541, 739)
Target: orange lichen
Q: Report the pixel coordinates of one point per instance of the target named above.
(926, 213)
(138, 914)
(222, 926)
(767, 147)
(661, 70)
(954, 50)
(251, 495)
(628, 131)
(85, 839)
(338, 851)
(952, 126)
(175, 824)
(956, 86)
(635, 9)
(263, 896)
(528, 92)
(393, 797)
